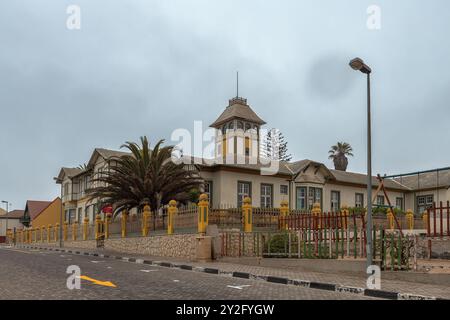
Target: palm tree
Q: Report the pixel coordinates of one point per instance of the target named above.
(338, 153)
(144, 177)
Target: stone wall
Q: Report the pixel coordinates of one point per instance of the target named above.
(440, 248)
(179, 245)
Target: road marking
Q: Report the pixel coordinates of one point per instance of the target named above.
(109, 267)
(239, 287)
(94, 261)
(176, 280)
(98, 282)
(148, 270)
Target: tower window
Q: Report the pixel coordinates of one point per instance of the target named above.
(240, 125)
(248, 126)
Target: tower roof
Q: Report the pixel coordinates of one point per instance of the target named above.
(237, 109)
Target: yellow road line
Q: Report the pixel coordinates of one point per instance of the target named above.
(98, 282)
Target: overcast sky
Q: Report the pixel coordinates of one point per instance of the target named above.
(148, 67)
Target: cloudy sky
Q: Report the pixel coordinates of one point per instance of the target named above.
(148, 67)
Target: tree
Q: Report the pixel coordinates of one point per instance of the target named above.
(338, 153)
(144, 177)
(274, 146)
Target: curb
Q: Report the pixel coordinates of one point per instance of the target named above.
(390, 295)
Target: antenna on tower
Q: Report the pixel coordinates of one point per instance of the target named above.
(237, 84)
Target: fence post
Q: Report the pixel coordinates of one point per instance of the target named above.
(284, 211)
(42, 233)
(55, 235)
(145, 219)
(410, 219)
(123, 223)
(173, 210)
(203, 208)
(107, 226)
(49, 231)
(248, 214)
(390, 217)
(425, 219)
(85, 228)
(98, 221)
(74, 230)
(66, 225)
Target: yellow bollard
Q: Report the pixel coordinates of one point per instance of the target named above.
(56, 232)
(145, 220)
(36, 235)
(98, 222)
(42, 233)
(203, 212)
(284, 212)
(124, 223)
(65, 229)
(247, 212)
(85, 228)
(390, 217)
(74, 230)
(172, 211)
(107, 218)
(410, 219)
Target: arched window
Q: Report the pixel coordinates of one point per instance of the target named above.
(224, 129)
(247, 126)
(231, 125)
(240, 125)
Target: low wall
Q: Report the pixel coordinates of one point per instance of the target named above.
(179, 246)
(440, 248)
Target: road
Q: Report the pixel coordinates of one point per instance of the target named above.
(36, 274)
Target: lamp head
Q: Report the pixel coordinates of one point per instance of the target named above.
(359, 65)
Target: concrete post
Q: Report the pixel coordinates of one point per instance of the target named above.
(56, 232)
(172, 211)
(203, 212)
(284, 212)
(410, 219)
(66, 225)
(390, 217)
(85, 228)
(247, 211)
(74, 230)
(124, 223)
(107, 218)
(49, 231)
(145, 220)
(98, 221)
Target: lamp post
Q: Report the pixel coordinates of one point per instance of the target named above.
(7, 210)
(359, 65)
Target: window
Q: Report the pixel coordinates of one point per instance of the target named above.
(380, 200)
(247, 146)
(359, 200)
(208, 191)
(335, 201)
(399, 203)
(284, 189)
(300, 198)
(314, 196)
(66, 189)
(240, 125)
(80, 215)
(248, 126)
(244, 190)
(266, 195)
(424, 202)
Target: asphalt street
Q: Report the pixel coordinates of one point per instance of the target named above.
(36, 274)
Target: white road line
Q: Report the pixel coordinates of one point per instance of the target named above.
(95, 261)
(148, 270)
(239, 287)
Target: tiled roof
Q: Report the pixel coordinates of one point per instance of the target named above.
(34, 208)
(426, 180)
(15, 214)
(238, 108)
(107, 153)
(359, 178)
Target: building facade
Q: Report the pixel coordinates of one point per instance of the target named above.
(237, 170)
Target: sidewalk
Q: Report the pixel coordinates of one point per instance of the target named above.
(286, 271)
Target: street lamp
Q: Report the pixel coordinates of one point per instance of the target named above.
(359, 65)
